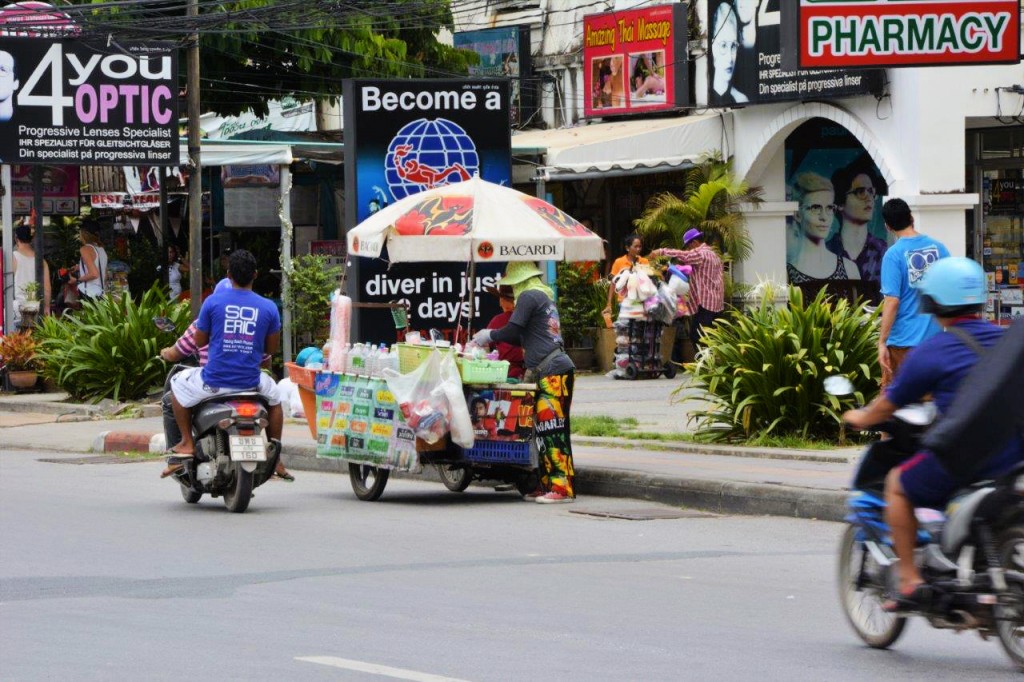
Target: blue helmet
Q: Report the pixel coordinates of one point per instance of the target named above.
(952, 286)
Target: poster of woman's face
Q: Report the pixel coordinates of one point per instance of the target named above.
(725, 43)
(837, 232)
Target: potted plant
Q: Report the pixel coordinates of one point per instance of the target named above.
(579, 311)
(18, 357)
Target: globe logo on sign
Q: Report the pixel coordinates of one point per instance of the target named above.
(426, 154)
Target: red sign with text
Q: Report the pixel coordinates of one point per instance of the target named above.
(874, 33)
(635, 61)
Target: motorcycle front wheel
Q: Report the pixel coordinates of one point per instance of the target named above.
(1010, 617)
(367, 481)
(237, 498)
(189, 495)
(863, 599)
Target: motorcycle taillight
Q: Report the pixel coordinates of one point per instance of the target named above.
(245, 409)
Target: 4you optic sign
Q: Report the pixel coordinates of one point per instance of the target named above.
(72, 102)
(877, 33)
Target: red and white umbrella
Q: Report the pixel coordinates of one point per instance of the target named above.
(474, 220)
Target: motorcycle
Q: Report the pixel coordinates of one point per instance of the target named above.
(232, 455)
(971, 555)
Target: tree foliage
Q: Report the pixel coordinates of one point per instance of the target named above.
(253, 51)
(710, 201)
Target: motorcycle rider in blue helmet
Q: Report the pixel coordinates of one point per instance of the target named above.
(953, 290)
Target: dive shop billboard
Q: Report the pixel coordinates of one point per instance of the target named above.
(745, 60)
(635, 61)
(403, 137)
(876, 33)
(79, 103)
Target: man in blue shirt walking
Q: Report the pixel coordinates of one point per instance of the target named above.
(903, 325)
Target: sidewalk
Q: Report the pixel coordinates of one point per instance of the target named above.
(801, 483)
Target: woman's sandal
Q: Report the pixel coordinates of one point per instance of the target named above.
(284, 476)
(915, 600)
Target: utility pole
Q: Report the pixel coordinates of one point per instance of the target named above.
(195, 181)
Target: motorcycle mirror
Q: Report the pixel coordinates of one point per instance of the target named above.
(164, 324)
(838, 385)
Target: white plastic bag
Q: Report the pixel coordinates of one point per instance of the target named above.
(451, 385)
(421, 398)
(291, 401)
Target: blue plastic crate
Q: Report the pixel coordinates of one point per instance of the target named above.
(499, 452)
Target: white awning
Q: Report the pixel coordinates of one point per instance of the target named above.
(224, 153)
(625, 147)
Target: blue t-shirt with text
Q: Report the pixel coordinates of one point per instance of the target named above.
(902, 267)
(238, 322)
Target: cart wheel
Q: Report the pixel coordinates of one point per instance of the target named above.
(631, 371)
(527, 483)
(367, 481)
(670, 370)
(455, 478)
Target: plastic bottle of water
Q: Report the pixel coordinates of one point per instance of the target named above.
(356, 360)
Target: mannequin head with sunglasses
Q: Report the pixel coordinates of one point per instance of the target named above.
(815, 214)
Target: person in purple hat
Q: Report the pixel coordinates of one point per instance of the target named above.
(707, 285)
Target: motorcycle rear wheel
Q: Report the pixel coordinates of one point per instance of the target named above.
(1010, 625)
(456, 479)
(238, 497)
(863, 608)
(360, 476)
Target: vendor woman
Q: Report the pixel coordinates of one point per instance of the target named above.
(534, 325)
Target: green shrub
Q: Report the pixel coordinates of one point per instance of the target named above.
(580, 301)
(310, 284)
(763, 369)
(109, 349)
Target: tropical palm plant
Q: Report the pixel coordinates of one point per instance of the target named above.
(710, 201)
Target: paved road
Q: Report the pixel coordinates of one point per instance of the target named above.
(108, 575)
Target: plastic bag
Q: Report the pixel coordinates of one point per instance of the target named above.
(451, 386)
(291, 401)
(422, 399)
(665, 310)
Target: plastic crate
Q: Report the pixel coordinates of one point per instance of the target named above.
(483, 371)
(301, 376)
(499, 452)
(412, 356)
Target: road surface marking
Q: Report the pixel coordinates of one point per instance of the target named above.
(374, 669)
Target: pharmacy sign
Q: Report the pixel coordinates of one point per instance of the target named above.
(879, 33)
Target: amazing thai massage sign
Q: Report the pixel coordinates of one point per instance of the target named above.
(77, 103)
(876, 33)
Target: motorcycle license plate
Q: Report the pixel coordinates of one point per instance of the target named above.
(248, 448)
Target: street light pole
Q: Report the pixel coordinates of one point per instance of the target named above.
(195, 182)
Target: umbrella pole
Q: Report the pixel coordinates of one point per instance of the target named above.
(472, 299)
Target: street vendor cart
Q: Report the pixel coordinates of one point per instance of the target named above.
(358, 418)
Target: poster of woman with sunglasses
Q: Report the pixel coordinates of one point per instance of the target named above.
(836, 237)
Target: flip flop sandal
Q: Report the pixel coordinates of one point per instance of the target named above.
(172, 469)
(916, 600)
(285, 476)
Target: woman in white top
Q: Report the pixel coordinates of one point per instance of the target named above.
(173, 272)
(24, 267)
(90, 273)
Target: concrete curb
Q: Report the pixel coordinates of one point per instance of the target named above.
(61, 408)
(721, 496)
(685, 447)
(128, 441)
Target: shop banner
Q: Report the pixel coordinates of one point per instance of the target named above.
(504, 53)
(60, 190)
(836, 238)
(878, 33)
(76, 102)
(635, 61)
(402, 137)
(745, 60)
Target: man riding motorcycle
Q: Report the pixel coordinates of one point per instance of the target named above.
(953, 290)
(239, 326)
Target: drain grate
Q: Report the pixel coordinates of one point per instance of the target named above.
(645, 514)
(96, 459)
